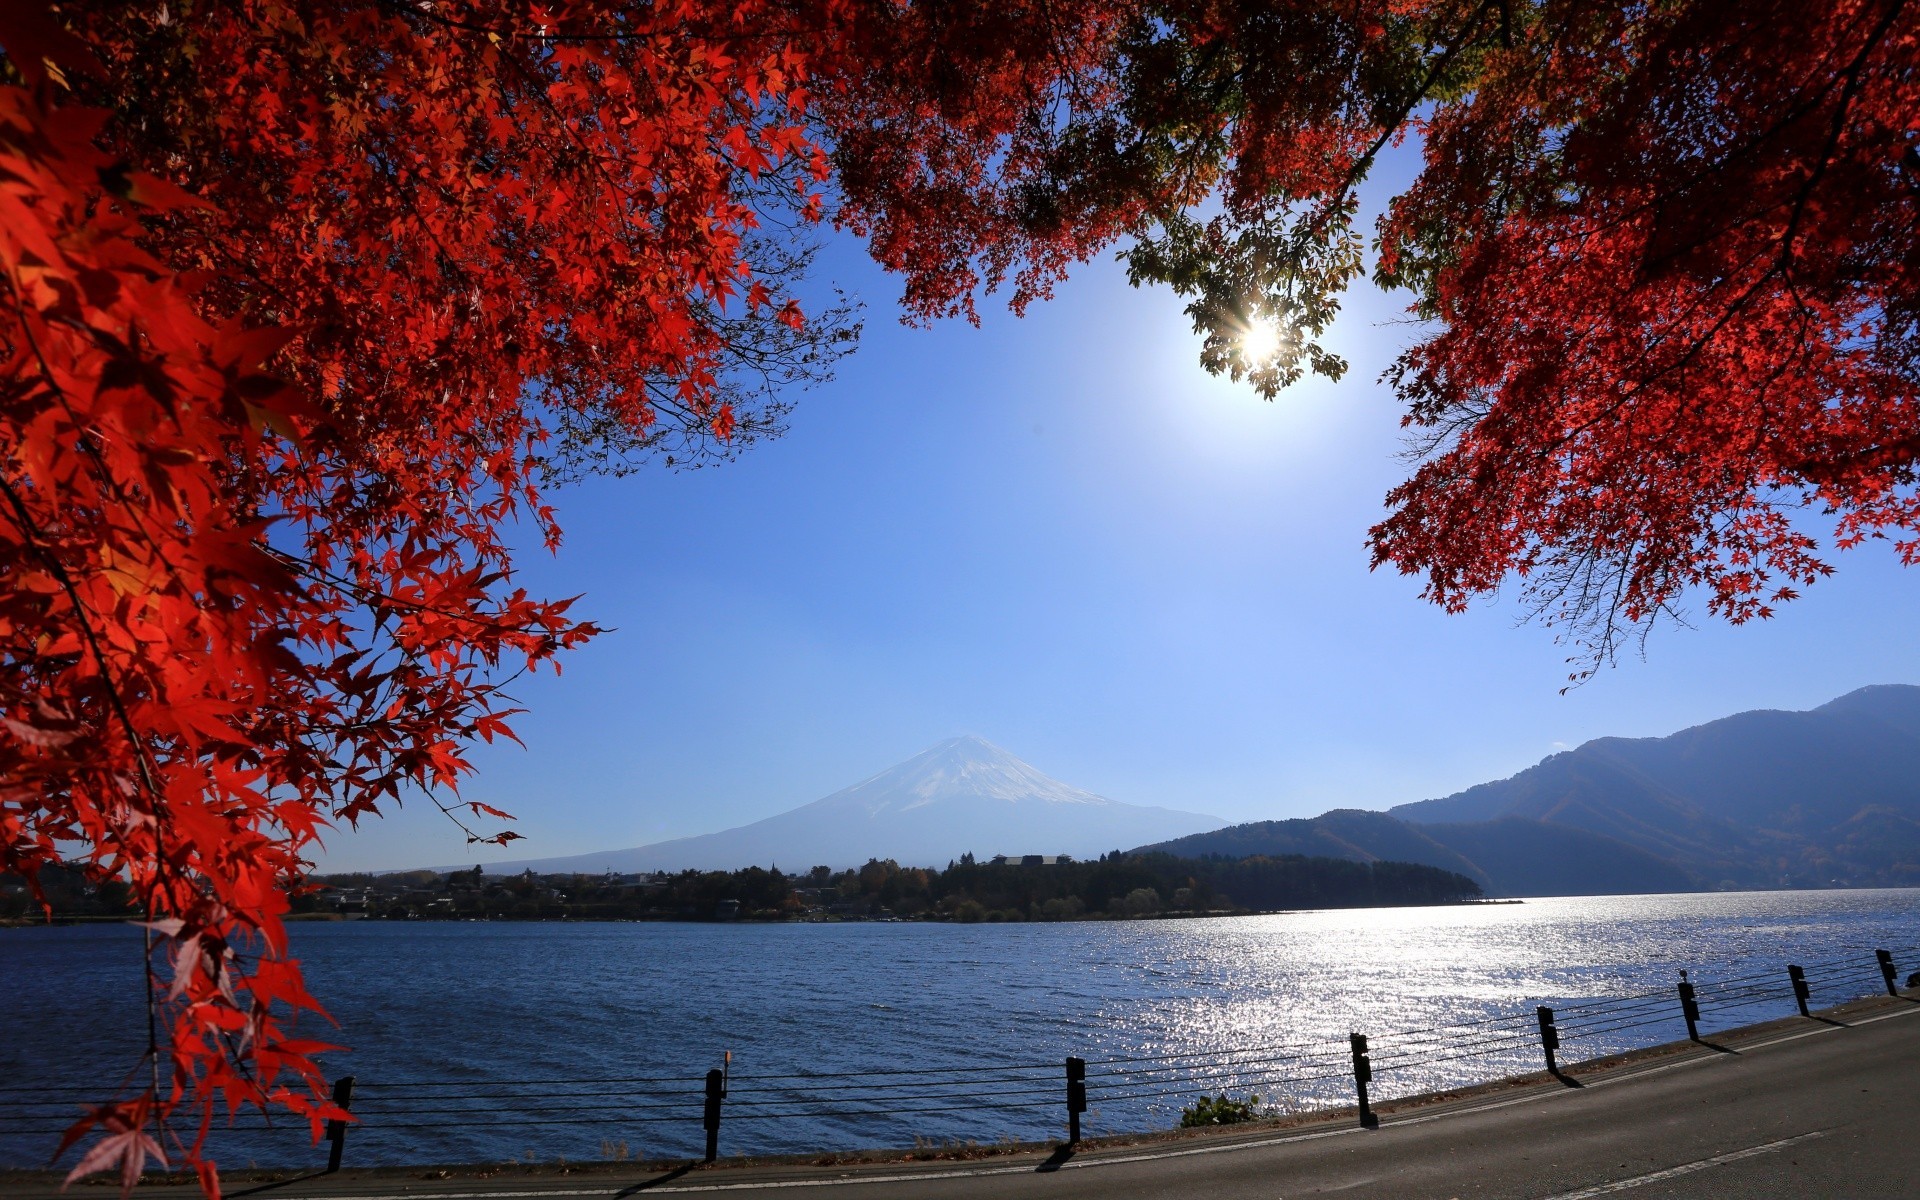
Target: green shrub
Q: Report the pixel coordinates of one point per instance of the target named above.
(1141, 902)
(1060, 909)
(1219, 1110)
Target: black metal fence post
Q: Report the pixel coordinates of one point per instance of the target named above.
(1887, 972)
(1362, 1075)
(1076, 1097)
(1689, 1008)
(716, 1092)
(337, 1130)
(1801, 993)
(1549, 1038)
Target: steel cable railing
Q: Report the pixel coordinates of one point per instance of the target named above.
(1158, 1094)
(887, 1085)
(809, 1103)
(1483, 1047)
(1604, 1033)
(1097, 1062)
(1289, 1072)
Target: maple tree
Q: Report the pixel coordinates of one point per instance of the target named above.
(1660, 256)
(306, 304)
(310, 299)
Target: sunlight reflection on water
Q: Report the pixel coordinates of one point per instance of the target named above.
(491, 1002)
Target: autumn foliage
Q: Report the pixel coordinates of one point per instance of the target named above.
(304, 303)
(1661, 256)
(308, 300)
(1677, 301)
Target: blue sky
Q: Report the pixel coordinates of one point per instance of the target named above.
(1061, 534)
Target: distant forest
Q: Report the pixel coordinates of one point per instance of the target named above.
(1113, 886)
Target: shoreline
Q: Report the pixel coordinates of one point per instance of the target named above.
(31, 922)
(809, 919)
(789, 1170)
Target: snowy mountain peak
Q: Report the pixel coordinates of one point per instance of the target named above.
(958, 770)
(964, 794)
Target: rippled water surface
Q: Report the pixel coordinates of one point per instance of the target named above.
(520, 1018)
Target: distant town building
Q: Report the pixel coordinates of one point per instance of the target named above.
(1030, 860)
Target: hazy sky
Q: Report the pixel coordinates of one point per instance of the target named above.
(1060, 534)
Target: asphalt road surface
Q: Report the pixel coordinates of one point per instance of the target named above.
(1802, 1110)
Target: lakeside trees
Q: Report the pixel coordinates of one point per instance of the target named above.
(1145, 884)
(1114, 886)
(308, 300)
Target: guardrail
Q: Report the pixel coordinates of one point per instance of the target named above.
(1378, 1064)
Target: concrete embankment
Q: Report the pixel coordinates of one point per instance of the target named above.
(1821, 1107)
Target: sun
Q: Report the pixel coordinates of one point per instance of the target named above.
(1261, 341)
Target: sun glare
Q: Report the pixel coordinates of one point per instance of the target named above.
(1261, 342)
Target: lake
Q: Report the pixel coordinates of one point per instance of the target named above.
(493, 1041)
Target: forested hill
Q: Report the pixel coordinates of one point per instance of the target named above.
(1823, 798)
(1508, 857)
(1120, 884)
(1758, 799)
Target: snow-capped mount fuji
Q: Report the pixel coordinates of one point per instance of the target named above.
(962, 770)
(963, 795)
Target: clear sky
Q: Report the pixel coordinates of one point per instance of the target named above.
(1061, 534)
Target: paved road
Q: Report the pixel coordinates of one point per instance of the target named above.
(1826, 1114)
(1823, 1111)
(1799, 1112)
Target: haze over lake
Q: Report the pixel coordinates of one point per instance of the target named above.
(482, 1003)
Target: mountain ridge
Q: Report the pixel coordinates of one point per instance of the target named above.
(1764, 798)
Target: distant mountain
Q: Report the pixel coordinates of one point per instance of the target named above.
(1511, 856)
(1759, 799)
(1348, 833)
(1539, 858)
(962, 795)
